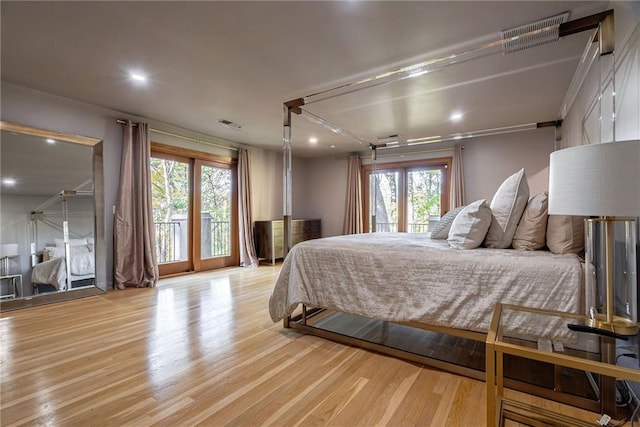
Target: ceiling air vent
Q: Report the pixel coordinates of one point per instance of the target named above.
(229, 124)
(533, 34)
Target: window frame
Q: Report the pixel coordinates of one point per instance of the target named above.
(441, 163)
(196, 159)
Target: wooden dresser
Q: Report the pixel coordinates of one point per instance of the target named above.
(269, 236)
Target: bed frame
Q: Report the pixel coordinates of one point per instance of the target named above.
(307, 321)
(304, 321)
(41, 216)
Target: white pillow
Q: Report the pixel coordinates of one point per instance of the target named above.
(470, 226)
(72, 242)
(506, 209)
(51, 252)
(441, 229)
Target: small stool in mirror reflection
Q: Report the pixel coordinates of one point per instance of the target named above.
(10, 284)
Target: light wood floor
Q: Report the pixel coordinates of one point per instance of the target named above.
(202, 350)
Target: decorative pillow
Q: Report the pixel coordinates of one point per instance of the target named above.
(72, 242)
(565, 234)
(470, 226)
(533, 224)
(441, 229)
(506, 209)
(51, 252)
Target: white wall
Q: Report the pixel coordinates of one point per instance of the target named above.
(487, 161)
(327, 189)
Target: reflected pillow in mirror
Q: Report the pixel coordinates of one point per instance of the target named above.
(52, 252)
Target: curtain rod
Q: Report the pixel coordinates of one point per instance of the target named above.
(408, 153)
(162, 132)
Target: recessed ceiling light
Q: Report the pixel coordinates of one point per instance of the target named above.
(51, 141)
(138, 77)
(313, 140)
(456, 116)
(9, 181)
(332, 146)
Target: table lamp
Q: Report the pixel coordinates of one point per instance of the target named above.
(8, 250)
(603, 180)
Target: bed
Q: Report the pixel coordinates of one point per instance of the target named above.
(62, 243)
(405, 277)
(53, 269)
(398, 281)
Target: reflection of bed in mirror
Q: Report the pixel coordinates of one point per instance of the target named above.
(32, 215)
(67, 261)
(52, 271)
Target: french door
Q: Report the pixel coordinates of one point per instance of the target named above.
(194, 210)
(406, 196)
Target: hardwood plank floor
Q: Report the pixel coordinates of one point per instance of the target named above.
(202, 350)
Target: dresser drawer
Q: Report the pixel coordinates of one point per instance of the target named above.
(269, 236)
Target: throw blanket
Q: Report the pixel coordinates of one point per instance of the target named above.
(409, 277)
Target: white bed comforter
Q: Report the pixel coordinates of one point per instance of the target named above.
(54, 271)
(409, 277)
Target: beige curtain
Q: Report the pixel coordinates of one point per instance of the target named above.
(457, 179)
(134, 242)
(353, 207)
(248, 257)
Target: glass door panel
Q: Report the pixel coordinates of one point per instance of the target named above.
(384, 196)
(215, 228)
(424, 188)
(170, 197)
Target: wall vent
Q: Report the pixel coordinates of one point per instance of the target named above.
(537, 33)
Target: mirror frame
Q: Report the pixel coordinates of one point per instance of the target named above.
(100, 286)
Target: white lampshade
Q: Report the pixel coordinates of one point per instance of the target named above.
(9, 250)
(596, 180)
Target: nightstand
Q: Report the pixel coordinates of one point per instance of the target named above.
(544, 336)
(15, 280)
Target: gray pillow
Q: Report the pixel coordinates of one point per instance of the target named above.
(470, 226)
(441, 229)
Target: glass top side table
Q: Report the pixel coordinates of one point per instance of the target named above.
(544, 336)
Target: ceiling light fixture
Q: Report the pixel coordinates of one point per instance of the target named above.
(138, 77)
(313, 140)
(229, 124)
(51, 141)
(9, 181)
(457, 116)
(424, 140)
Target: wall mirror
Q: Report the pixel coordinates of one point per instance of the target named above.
(52, 242)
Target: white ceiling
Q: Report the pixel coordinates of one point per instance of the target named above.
(241, 60)
(58, 166)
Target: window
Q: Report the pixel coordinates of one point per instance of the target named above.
(194, 210)
(406, 196)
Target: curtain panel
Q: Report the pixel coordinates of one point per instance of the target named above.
(248, 257)
(353, 221)
(134, 244)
